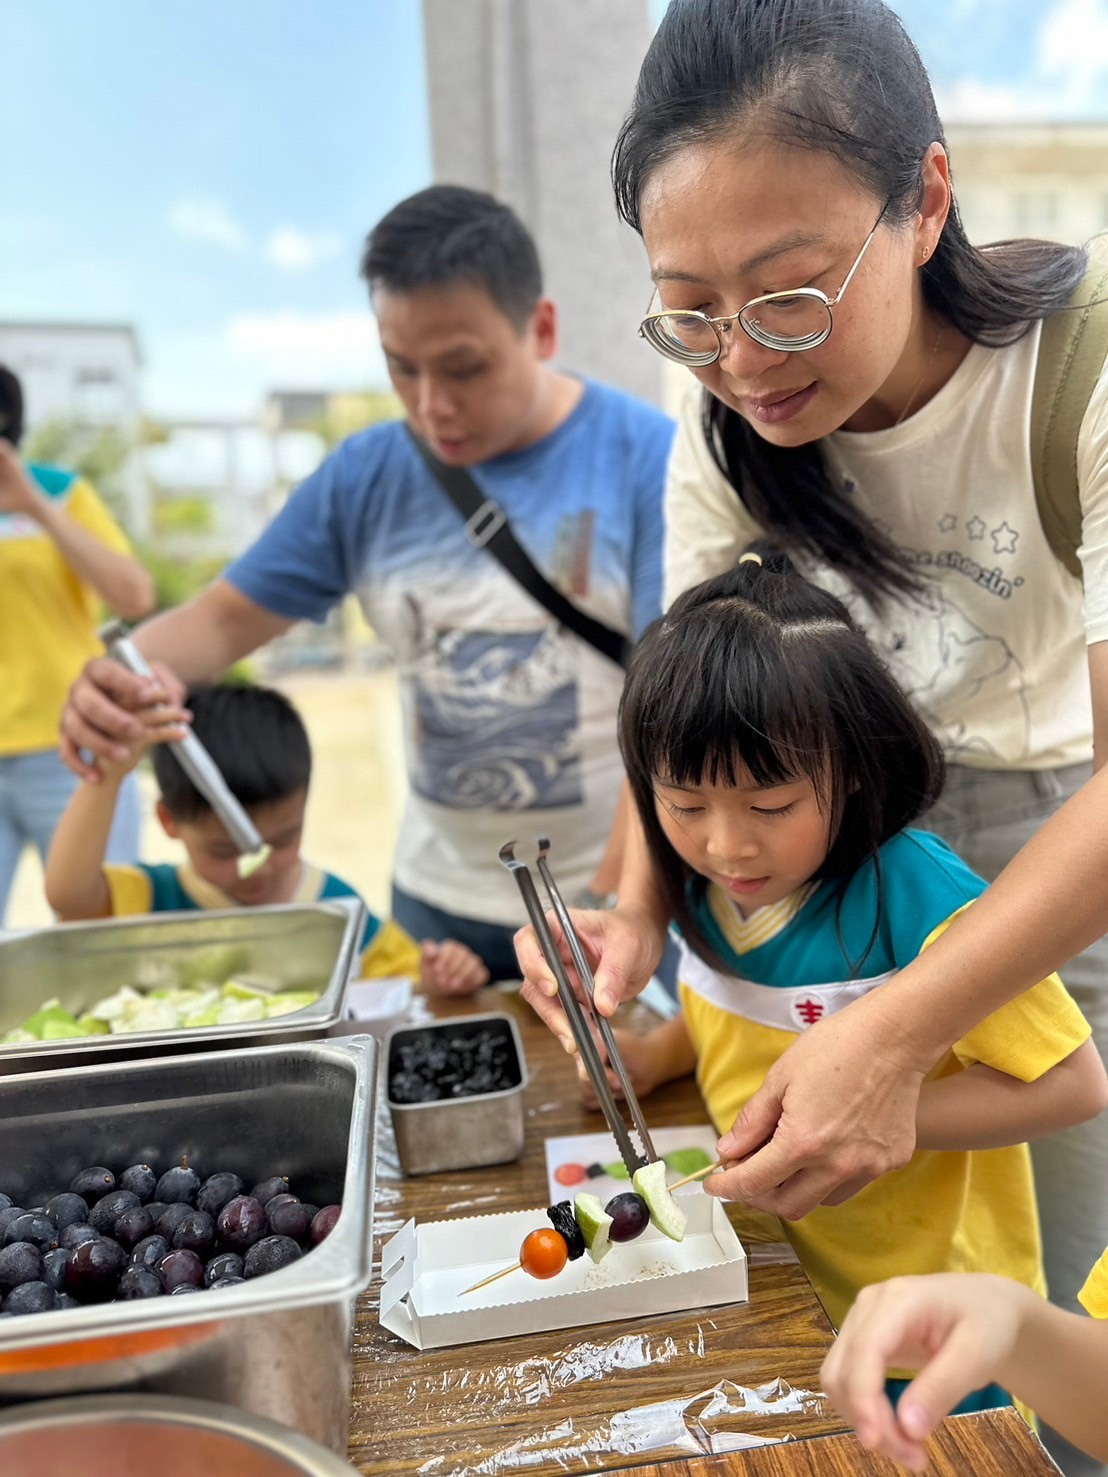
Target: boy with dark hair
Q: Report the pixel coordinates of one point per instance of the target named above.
(510, 709)
(259, 742)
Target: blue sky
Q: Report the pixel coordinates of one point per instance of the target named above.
(207, 171)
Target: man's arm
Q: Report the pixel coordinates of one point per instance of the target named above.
(109, 707)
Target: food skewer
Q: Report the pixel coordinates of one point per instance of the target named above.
(697, 1174)
(197, 763)
(584, 973)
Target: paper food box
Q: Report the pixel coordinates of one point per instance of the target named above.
(426, 1268)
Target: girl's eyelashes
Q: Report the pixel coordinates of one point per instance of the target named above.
(774, 810)
(681, 810)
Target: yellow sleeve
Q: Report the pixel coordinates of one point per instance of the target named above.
(85, 506)
(1093, 1297)
(392, 952)
(1029, 1035)
(130, 890)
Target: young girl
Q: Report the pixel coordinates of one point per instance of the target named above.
(776, 768)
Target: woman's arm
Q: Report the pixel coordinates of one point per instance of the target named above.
(982, 1108)
(962, 1331)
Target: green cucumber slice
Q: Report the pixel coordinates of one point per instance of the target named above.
(594, 1221)
(667, 1215)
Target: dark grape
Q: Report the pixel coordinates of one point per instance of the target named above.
(630, 1216)
(30, 1297)
(66, 1210)
(225, 1264)
(283, 1197)
(182, 1267)
(270, 1255)
(141, 1180)
(20, 1262)
(313, 1210)
(133, 1226)
(76, 1235)
(53, 1268)
(12, 1213)
(34, 1228)
(184, 1287)
(92, 1272)
(170, 1218)
(156, 1207)
(5, 1201)
(178, 1186)
(92, 1184)
(241, 1223)
(139, 1282)
(217, 1190)
(195, 1233)
(264, 1192)
(65, 1300)
(227, 1282)
(150, 1252)
(564, 1221)
(288, 1219)
(324, 1223)
(104, 1214)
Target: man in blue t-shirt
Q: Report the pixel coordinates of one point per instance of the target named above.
(509, 718)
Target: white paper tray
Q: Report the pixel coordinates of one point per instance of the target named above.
(425, 1268)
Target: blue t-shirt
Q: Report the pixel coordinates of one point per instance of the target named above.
(510, 721)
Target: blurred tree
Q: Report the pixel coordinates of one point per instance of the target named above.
(346, 414)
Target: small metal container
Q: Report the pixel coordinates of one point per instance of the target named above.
(279, 1345)
(459, 1132)
(300, 946)
(136, 1435)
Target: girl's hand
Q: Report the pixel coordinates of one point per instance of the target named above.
(958, 1329)
(18, 493)
(623, 946)
(451, 968)
(640, 1061)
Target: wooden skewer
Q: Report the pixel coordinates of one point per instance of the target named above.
(697, 1174)
(493, 1277)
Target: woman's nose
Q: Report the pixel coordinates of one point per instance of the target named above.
(741, 358)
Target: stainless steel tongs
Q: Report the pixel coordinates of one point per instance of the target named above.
(580, 1023)
(197, 763)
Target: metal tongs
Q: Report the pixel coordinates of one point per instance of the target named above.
(195, 760)
(579, 1022)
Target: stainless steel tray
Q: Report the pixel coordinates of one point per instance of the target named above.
(278, 1346)
(301, 945)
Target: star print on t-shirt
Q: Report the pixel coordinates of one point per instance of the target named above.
(975, 527)
(1004, 539)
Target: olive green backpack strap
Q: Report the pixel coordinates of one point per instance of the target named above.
(1072, 355)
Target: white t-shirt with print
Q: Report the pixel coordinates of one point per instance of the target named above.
(994, 654)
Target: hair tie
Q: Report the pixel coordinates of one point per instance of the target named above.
(750, 558)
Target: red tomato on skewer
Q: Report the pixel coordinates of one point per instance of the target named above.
(544, 1253)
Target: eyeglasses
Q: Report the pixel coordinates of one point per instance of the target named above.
(787, 321)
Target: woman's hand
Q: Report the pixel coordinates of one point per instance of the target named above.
(109, 707)
(835, 1112)
(959, 1330)
(623, 946)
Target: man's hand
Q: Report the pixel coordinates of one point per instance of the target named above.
(958, 1330)
(835, 1112)
(109, 708)
(623, 947)
(18, 493)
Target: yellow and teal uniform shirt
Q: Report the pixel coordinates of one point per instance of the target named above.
(48, 616)
(161, 888)
(796, 961)
(1093, 1297)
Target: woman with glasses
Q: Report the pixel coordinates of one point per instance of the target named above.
(866, 379)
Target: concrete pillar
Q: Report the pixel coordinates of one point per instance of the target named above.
(526, 98)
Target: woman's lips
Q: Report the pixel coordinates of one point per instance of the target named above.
(774, 409)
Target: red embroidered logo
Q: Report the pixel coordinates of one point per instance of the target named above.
(807, 1011)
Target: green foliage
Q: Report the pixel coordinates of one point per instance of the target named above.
(98, 453)
(177, 580)
(189, 515)
(346, 414)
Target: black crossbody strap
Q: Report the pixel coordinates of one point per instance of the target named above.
(487, 527)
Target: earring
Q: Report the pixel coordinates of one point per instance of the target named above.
(926, 254)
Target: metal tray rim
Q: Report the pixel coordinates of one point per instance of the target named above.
(479, 1097)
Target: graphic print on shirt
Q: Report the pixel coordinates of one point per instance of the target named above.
(496, 717)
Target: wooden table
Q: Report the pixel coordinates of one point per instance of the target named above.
(557, 1395)
(578, 1401)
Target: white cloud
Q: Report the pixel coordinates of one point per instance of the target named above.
(1073, 49)
(292, 249)
(207, 220)
(973, 100)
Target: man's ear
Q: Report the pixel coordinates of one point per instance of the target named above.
(544, 326)
(169, 825)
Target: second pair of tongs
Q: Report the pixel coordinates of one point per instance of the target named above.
(580, 1023)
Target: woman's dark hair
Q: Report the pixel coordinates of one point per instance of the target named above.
(448, 235)
(11, 406)
(841, 77)
(257, 739)
(759, 667)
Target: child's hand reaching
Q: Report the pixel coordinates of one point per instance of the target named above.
(451, 968)
(960, 1330)
(639, 1059)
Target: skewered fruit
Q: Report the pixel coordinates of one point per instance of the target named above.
(544, 1253)
(664, 1211)
(595, 1223)
(564, 1221)
(629, 1214)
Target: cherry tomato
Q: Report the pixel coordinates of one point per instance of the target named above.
(544, 1253)
(570, 1174)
